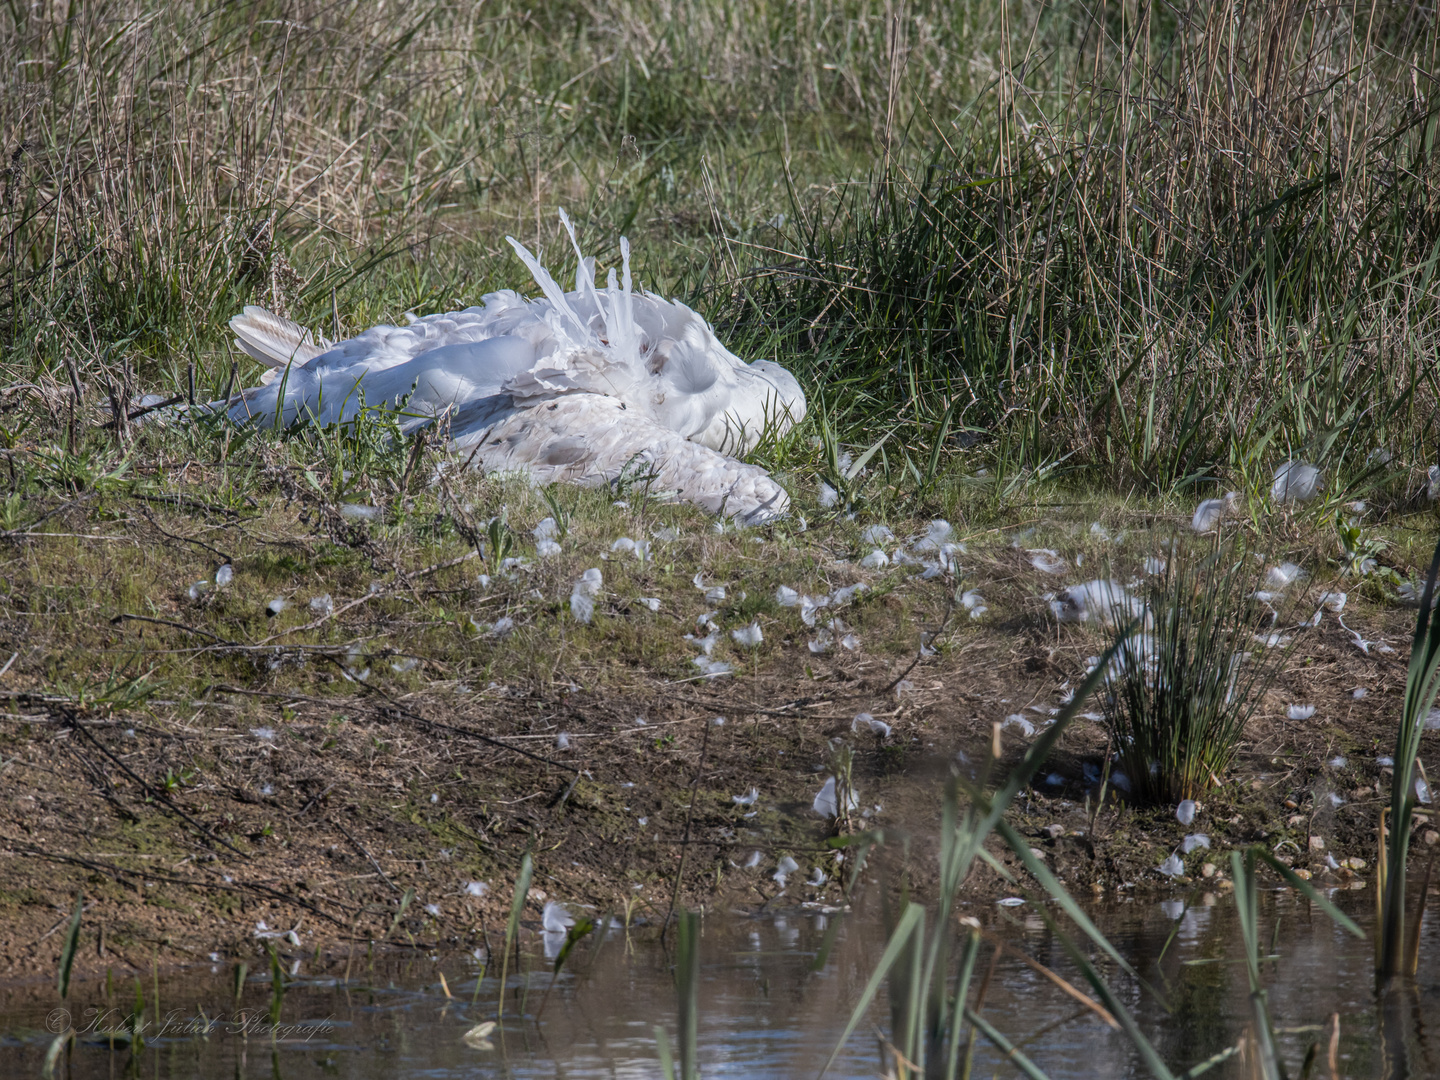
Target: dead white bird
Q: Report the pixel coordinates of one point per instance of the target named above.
(580, 387)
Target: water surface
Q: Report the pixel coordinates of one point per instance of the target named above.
(765, 1009)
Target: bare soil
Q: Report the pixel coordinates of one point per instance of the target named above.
(205, 787)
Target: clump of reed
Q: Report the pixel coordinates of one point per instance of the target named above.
(1169, 244)
(1183, 685)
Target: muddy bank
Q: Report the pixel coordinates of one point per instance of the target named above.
(209, 827)
(355, 735)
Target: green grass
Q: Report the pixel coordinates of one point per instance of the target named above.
(1026, 238)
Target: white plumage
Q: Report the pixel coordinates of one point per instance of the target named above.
(581, 386)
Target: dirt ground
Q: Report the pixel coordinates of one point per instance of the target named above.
(212, 781)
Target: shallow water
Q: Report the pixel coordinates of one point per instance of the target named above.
(764, 1011)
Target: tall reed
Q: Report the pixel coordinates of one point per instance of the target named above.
(1398, 953)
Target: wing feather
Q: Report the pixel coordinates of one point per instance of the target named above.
(273, 340)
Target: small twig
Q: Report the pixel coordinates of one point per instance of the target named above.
(313, 801)
(184, 539)
(361, 848)
(147, 409)
(167, 622)
(159, 796)
(151, 875)
(685, 841)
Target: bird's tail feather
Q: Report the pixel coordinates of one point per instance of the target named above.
(552, 290)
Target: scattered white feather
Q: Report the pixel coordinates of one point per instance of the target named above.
(809, 605)
(651, 602)
(817, 878)
(322, 605)
(825, 803)
(477, 888)
(547, 529)
(1103, 602)
(1339, 761)
(1333, 601)
(783, 869)
(750, 798)
(748, 637)
(1010, 901)
(869, 723)
(583, 594)
(705, 644)
(711, 668)
(1284, 575)
(1300, 712)
(197, 589)
(1295, 481)
(547, 548)
(224, 575)
(1211, 512)
(1047, 561)
(555, 918)
(274, 607)
(1185, 812)
(829, 497)
(1019, 723)
(1172, 867)
(787, 597)
(875, 560)
(1359, 692)
(1154, 566)
(562, 741)
(877, 534)
(1194, 841)
(850, 642)
(753, 861)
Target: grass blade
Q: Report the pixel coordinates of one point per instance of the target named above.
(912, 921)
(67, 950)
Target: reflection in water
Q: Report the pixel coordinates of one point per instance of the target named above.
(764, 1011)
